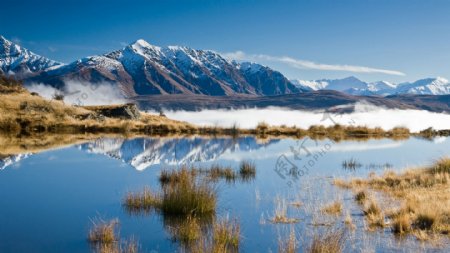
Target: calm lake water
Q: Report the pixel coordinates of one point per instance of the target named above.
(48, 199)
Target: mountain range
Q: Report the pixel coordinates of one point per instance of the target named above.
(144, 69)
(141, 69)
(354, 86)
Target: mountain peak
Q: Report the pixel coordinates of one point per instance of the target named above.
(142, 43)
(15, 60)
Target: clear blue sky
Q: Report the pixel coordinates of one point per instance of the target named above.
(411, 36)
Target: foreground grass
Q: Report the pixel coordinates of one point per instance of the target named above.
(104, 238)
(182, 194)
(423, 195)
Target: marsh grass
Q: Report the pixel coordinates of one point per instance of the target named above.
(422, 195)
(328, 242)
(334, 208)
(247, 170)
(182, 194)
(104, 238)
(361, 197)
(226, 235)
(216, 172)
(280, 213)
(187, 231)
(103, 232)
(188, 196)
(288, 244)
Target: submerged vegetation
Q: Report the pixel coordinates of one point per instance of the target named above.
(423, 199)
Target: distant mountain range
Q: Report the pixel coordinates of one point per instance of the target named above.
(144, 69)
(354, 86)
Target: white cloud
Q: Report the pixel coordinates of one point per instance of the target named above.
(364, 115)
(303, 64)
(82, 93)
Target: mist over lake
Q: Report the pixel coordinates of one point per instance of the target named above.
(364, 115)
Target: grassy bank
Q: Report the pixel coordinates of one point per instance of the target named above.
(25, 113)
(422, 196)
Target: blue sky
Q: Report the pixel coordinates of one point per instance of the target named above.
(373, 40)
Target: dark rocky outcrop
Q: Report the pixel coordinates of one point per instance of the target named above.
(126, 111)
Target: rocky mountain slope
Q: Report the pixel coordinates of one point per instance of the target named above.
(144, 69)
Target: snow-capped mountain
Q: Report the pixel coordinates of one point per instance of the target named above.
(354, 86)
(142, 153)
(428, 86)
(330, 84)
(15, 60)
(144, 69)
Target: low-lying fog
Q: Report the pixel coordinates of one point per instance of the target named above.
(364, 115)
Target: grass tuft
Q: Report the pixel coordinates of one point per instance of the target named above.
(334, 208)
(247, 170)
(330, 242)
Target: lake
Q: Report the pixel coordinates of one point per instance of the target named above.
(49, 199)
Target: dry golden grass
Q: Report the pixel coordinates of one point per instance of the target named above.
(280, 213)
(288, 244)
(103, 232)
(182, 194)
(329, 242)
(334, 208)
(423, 197)
(104, 238)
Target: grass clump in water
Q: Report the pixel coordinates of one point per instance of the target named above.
(330, 242)
(103, 237)
(334, 208)
(103, 232)
(188, 196)
(361, 197)
(247, 170)
(288, 244)
(142, 201)
(182, 194)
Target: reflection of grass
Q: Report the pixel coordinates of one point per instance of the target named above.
(423, 196)
(288, 244)
(226, 235)
(351, 164)
(187, 230)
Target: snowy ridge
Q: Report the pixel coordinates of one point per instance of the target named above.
(15, 60)
(354, 86)
(144, 153)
